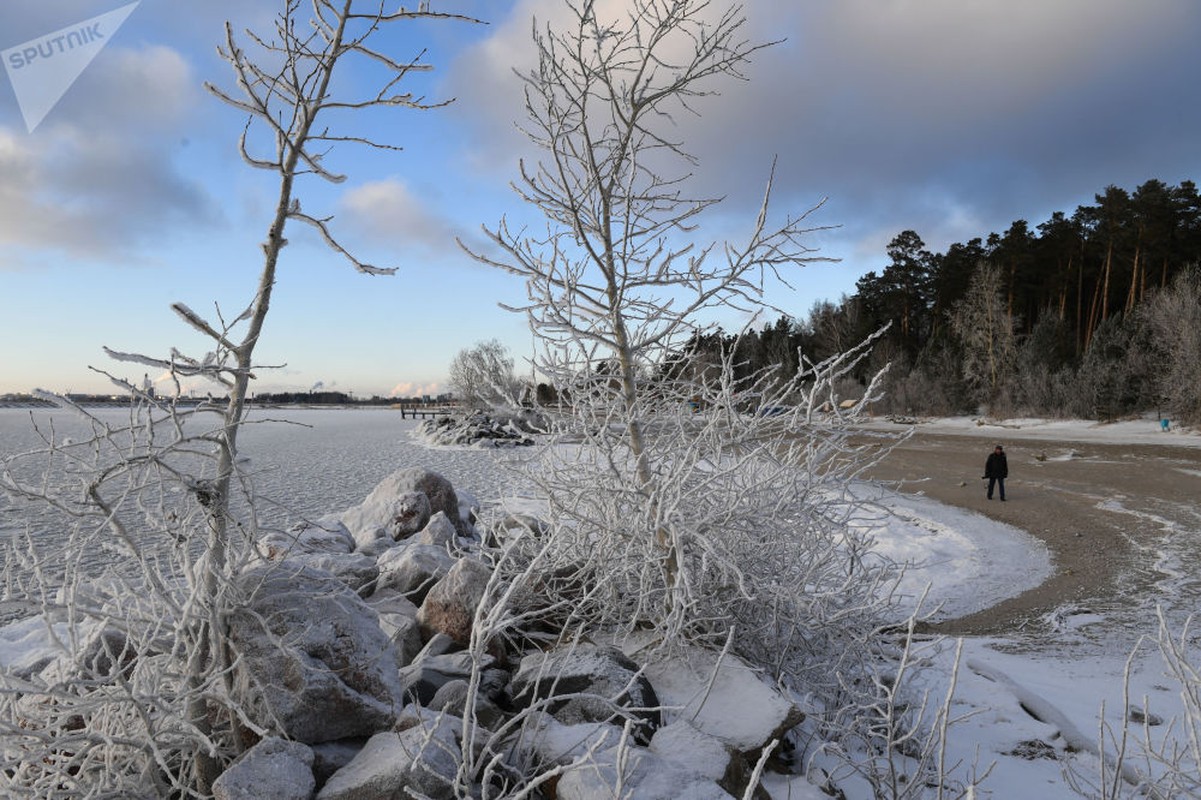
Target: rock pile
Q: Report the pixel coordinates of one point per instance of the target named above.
(354, 656)
(482, 429)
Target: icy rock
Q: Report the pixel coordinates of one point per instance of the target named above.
(480, 429)
(327, 535)
(469, 507)
(422, 679)
(439, 532)
(513, 526)
(399, 484)
(356, 570)
(285, 767)
(329, 757)
(398, 620)
(28, 645)
(313, 661)
(413, 569)
(689, 747)
(391, 517)
(106, 651)
(450, 606)
(644, 776)
(418, 762)
(736, 706)
(451, 697)
(686, 746)
(606, 673)
(554, 744)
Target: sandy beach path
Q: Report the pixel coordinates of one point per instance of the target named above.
(1102, 509)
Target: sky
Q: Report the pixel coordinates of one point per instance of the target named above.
(952, 118)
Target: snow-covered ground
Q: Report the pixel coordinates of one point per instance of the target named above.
(1145, 430)
(969, 562)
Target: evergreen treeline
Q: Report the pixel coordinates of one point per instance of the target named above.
(1095, 314)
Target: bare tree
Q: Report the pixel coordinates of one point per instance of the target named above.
(612, 283)
(697, 501)
(166, 491)
(482, 376)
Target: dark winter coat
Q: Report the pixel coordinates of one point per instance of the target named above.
(997, 466)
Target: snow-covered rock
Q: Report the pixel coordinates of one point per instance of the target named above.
(313, 662)
(480, 429)
(688, 746)
(552, 743)
(418, 762)
(326, 535)
(390, 517)
(282, 768)
(450, 605)
(452, 697)
(422, 679)
(398, 620)
(28, 645)
(737, 706)
(413, 569)
(611, 684)
(380, 510)
(356, 570)
(438, 532)
(642, 775)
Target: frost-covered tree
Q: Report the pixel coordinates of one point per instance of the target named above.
(165, 496)
(698, 502)
(1171, 322)
(482, 376)
(986, 335)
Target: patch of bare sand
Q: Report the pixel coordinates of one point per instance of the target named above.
(1098, 507)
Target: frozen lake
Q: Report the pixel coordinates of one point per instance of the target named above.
(304, 462)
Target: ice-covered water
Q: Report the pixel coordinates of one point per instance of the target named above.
(304, 462)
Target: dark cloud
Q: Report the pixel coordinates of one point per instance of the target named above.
(946, 117)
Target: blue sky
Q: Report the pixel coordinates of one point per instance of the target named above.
(949, 117)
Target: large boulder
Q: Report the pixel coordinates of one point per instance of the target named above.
(283, 769)
(450, 606)
(390, 518)
(413, 569)
(326, 535)
(379, 510)
(312, 661)
(723, 697)
(418, 762)
(595, 684)
(356, 570)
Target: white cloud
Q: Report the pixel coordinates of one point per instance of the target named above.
(387, 211)
(99, 178)
(415, 389)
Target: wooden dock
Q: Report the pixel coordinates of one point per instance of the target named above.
(418, 412)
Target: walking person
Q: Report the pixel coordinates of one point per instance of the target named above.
(996, 469)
